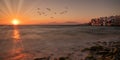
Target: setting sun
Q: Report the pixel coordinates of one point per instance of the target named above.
(15, 22)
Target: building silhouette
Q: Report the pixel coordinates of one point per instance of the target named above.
(106, 21)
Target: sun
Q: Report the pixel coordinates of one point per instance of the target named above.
(15, 22)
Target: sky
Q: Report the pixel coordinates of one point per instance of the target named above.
(56, 11)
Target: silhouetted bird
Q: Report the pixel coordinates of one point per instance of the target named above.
(51, 17)
(55, 13)
(66, 8)
(48, 9)
(38, 8)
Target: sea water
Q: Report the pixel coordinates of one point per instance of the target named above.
(30, 42)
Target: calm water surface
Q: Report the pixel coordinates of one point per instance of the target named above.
(29, 42)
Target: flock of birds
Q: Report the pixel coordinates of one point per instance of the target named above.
(50, 10)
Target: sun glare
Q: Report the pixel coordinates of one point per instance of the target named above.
(15, 22)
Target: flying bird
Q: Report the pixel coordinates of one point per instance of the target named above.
(51, 17)
(63, 12)
(39, 13)
(66, 8)
(43, 12)
(55, 13)
(38, 8)
(48, 9)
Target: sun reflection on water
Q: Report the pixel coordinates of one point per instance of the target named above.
(17, 52)
(16, 36)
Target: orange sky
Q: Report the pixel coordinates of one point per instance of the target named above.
(56, 11)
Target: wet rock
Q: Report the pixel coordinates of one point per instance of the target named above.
(55, 58)
(64, 58)
(43, 58)
(104, 51)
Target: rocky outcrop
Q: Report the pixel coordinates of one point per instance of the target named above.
(103, 51)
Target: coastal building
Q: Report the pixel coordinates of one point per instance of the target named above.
(106, 21)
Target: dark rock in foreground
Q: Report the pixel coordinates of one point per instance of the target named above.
(98, 51)
(103, 51)
(43, 58)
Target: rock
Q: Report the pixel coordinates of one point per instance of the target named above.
(43, 58)
(62, 58)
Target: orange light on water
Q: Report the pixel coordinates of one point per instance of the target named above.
(15, 22)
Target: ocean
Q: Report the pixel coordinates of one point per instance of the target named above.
(30, 42)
